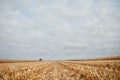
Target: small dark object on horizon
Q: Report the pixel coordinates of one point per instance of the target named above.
(40, 59)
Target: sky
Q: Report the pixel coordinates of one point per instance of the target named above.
(59, 29)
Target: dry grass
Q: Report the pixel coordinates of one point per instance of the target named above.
(61, 70)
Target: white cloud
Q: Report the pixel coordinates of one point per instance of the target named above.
(59, 27)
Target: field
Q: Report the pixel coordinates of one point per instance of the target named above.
(61, 70)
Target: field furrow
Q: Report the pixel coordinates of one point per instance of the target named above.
(61, 70)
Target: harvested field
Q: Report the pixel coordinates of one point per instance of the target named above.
(61, 70)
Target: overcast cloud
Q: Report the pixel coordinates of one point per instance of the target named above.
(59, 29)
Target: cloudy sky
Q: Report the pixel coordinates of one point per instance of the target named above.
(59, 29)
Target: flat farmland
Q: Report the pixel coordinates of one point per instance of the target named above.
(61, 70)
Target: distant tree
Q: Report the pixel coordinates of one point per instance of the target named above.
(40, 59)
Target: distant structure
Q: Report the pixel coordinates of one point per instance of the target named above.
(40, 59)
